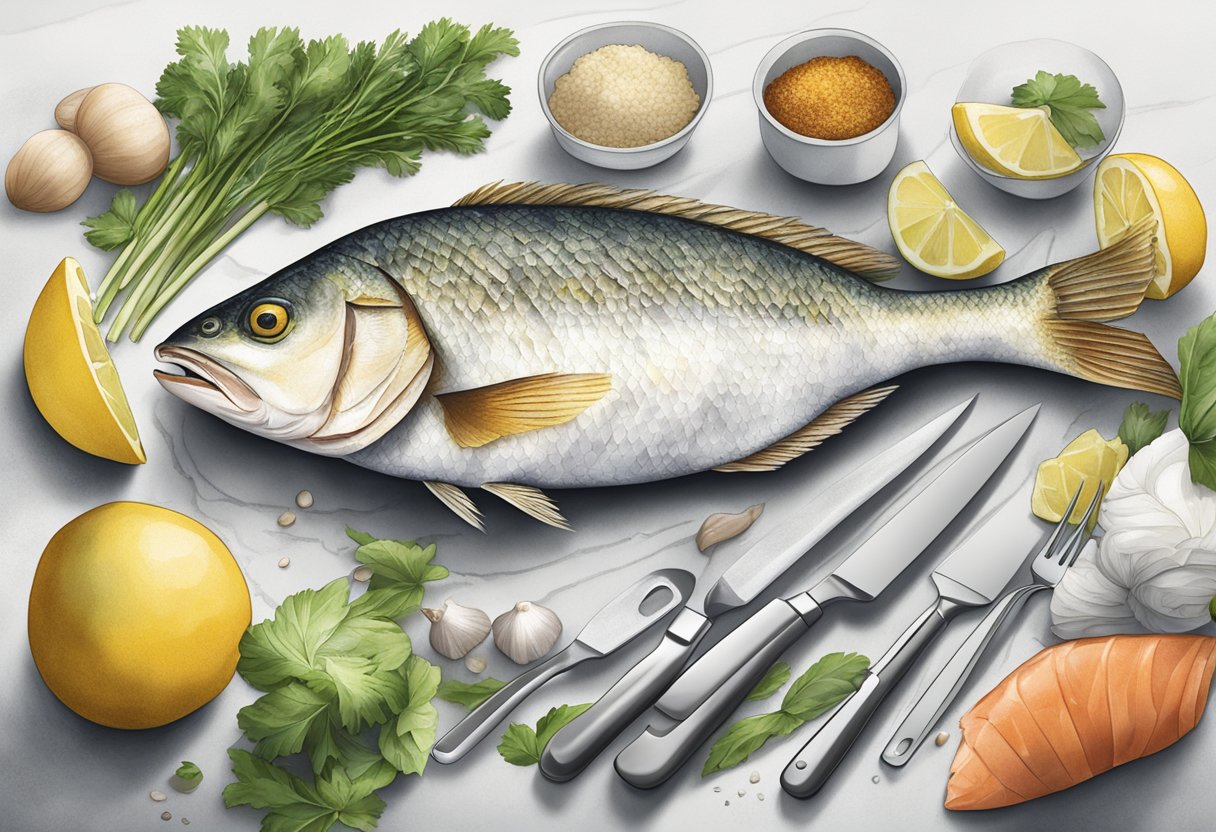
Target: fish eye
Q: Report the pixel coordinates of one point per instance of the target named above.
(210, 327)
(269, 319)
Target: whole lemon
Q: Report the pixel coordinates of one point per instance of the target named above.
(136, 615)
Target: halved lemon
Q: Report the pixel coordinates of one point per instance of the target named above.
(69, 372)
(1131, 186)
(1090, 459)
(932, 232)
(1016, 141)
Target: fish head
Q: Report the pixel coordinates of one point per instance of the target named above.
(328, 355)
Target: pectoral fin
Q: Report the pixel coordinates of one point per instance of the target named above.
(531, 501)
(459, 502)
(479, 416)
(828, 423)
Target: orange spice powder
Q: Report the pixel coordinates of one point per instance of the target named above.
(830, 98)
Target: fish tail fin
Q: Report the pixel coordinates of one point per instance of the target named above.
(1106, 286)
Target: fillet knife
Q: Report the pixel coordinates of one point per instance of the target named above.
(578, 743)
(701, 699)
(970, 576)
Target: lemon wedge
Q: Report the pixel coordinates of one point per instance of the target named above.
(69, 372)
(1090, 459)
(1016, 141)
(932, 232)
(1131, 186)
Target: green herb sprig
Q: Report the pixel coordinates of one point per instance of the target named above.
(343, 687)
(280, 130)
(1068, 101)
(776, 676)
(1140, 426)
(523, 745)
(471, 695)
(825, 683)
(1197, 413)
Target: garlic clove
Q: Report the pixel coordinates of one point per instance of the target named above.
(526, 632)
(65, 110)
(721, 527)
(457, 629)
(125, 132)
(49, 172)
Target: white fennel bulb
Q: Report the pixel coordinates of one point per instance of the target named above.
(1155, 567)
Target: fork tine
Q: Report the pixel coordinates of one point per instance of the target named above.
(1049, 549)
(1076, 541)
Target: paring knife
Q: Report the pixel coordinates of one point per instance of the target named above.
(574, 746)
(619, 621)
(970, 576)
(702, 698)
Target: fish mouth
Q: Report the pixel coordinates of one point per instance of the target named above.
(203, 376)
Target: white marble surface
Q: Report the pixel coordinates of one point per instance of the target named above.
(58, 772)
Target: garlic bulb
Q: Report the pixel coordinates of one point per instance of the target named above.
(65, 110)
(49, 172)
(721, 527)
(526, 632)
(457, 629)
(1155, 567)
(125, 133)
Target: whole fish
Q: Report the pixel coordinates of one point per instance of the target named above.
(539, 336)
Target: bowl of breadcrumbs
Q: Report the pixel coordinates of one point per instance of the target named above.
(625, 95)
(829, 102)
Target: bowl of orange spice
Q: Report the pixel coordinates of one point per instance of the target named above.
(829, 102)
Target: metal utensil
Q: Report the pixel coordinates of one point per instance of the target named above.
(574, 746)
(1048, 566)
(620, 620)
(970, 576)
(702, 698)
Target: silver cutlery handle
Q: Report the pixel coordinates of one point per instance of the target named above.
(661, 749)
(813, 765)
(471, 730)
(574, 746)
(938, 696)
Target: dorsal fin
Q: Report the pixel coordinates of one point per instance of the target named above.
(828, 423)
(456, 500)
(858, 258)
(531, 501)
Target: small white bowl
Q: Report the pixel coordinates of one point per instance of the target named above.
(662, 40)
(825, 161)
(993, 76)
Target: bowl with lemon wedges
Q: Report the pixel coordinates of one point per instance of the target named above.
(1035, 117)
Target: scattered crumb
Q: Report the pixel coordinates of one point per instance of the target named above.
(874, 779)
(284, 562)
(759, 795)
(166, 816)
(362, 574)
(304, 499)
(158, 796)
(475, 664)
(717, 789)
(727, 803)
(287, 518)
(755, 777)
(941, 739)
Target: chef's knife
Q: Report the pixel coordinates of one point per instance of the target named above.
(619, 621)
(578, 743)
(701, 699)
(971, 576)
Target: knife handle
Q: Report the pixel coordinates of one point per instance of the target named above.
(655, 756)
(574, 746)
(950, 680)
(471, 730)
(813, 765)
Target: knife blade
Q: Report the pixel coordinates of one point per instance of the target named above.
(616, 623)
(972, 575)
(578, 743)
(701, 699)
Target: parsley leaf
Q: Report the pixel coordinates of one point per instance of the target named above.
(279, 721)
(400, 571)
(523, 746)
(1069, 103)
(776, 676)
(471, 695)
(296, 806)
(826, 683)
(1140, 426)
(1197, 413)
(116, 226)
(406, 740)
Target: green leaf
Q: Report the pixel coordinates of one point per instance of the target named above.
(286, 647)
(523, 746)
(189, 772)
(471, 695)
(745, 737)
(825, 684)
(1140, 426)
(400, 571)
(115, 227)
(280, 720)
(366, 693)
(406, 741)
(776, 676)
(1069, 103)
(1197, 413)
(362, 538)
(293, 804)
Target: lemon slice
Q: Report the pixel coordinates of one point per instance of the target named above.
(1131, 186)
(69, 372)
(932, 232)
(1016, 141)
(1090, 459)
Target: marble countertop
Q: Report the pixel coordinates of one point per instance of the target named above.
(59, 772)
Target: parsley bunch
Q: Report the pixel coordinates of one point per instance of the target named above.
(342, 686)
(1068, 103)
(278, 132)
